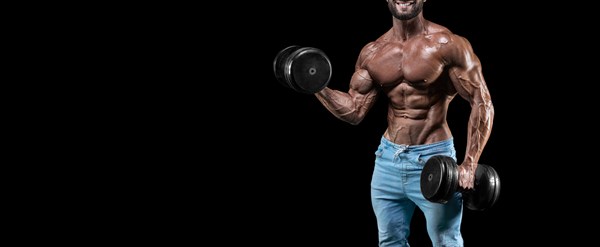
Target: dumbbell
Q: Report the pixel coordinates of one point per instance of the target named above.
(439, 181)
(303, 69)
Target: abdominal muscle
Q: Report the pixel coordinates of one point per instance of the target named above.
(416, 119)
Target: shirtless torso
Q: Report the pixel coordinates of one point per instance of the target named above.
(420, 66)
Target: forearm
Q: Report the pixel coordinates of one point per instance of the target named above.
(479, 129)
(342, 105)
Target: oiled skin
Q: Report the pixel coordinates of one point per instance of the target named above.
(420, 66)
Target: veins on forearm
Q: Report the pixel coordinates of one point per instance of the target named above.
(338, 103)
(480, 124)
(346, 106)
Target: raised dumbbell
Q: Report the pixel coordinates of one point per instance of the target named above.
(439, 181)
(303, 69)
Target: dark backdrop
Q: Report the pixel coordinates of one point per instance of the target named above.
(256, 163)
(325, 184)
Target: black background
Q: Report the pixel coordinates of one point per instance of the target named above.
(245, 160)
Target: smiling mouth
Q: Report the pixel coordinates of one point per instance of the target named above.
(404, 3)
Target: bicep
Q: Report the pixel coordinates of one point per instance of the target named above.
(363, 90)
(466, 73)
(468, 82)
(362, 83)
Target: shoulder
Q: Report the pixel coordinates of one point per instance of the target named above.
(444, 36)
(451, 45)
(371, 48)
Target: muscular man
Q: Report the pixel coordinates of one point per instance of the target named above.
(420, 66)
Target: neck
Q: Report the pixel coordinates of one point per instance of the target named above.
(405, 29)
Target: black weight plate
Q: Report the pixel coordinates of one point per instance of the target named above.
(432, 179)
(486, 189)
(447, 189)
(452, 177)
(496, 187)
(308, 70)
(279, 64)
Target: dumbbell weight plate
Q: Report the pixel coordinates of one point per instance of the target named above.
(439, 179)
(303, 69)
(486, 190)
(279, 64)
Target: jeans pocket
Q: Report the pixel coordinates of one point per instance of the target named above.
(379, 152)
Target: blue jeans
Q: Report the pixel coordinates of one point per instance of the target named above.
(396, 190)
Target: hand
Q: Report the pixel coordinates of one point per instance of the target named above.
(466, 175)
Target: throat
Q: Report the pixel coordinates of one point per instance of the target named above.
(406, 29)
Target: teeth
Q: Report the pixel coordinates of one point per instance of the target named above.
(404, 4)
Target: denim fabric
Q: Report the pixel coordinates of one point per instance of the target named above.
(396, 190)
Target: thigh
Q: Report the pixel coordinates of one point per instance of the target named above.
(444, 220)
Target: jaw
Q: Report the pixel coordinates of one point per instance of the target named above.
(405, 9)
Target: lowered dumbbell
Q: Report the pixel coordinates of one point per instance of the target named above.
(439, 181)
(303, 69)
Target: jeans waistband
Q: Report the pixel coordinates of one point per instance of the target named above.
(420, 147)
